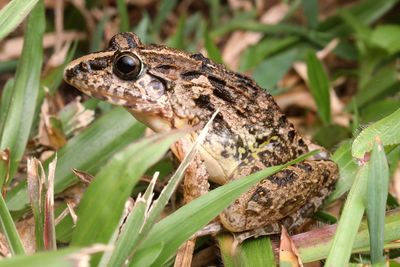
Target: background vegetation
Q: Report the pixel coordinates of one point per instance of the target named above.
(332, 66)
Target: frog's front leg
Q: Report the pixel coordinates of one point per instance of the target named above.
(285, 198)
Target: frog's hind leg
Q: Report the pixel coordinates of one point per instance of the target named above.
(286, 197)
(300, 216)
(290, 222)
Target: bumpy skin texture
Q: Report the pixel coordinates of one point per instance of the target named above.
(175, 89)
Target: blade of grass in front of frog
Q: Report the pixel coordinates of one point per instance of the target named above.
(377, 192)
(257, 252)
(20, 114)
(229, 254)
(127, 239)
(127, 244)
(349, 222)
(13, 14)
(200, 211)
(120, 175)
(388, 130)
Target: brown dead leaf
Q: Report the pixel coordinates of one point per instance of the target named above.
(184, 255)
(49, 135)
(80, 119)
(84, 177)
(288, 252)
(240, 40)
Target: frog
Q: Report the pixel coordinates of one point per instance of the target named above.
(168, 89)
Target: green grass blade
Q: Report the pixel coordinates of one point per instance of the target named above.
(8, 66)
(255, 54)
(319, 87)
(377, 191)
(70, 257)
(119, 175)
(310, 10)
(367, 12)
(6, 97)
(9, 229)
(388, 130)
(87, 151)
(13, 14)
(258, 252)
(272, 69)
(200, 211)
(387, 36)
(147, 256)
(123, 16)
(26, 89)
(349, 222)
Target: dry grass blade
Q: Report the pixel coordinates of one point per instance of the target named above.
(49, 223)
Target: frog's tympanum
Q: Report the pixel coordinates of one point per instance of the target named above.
(169, 89)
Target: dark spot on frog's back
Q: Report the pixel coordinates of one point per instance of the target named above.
(200, 57)
(203, 101)
(165, 68)
(283, 178)
(261, 196)
(190, 75)
(220, 90)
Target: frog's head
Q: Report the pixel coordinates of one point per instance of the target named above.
(130, 74)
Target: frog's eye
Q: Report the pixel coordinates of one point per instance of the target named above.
(127, 66)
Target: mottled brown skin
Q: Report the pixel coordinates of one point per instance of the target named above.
(174, 89)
